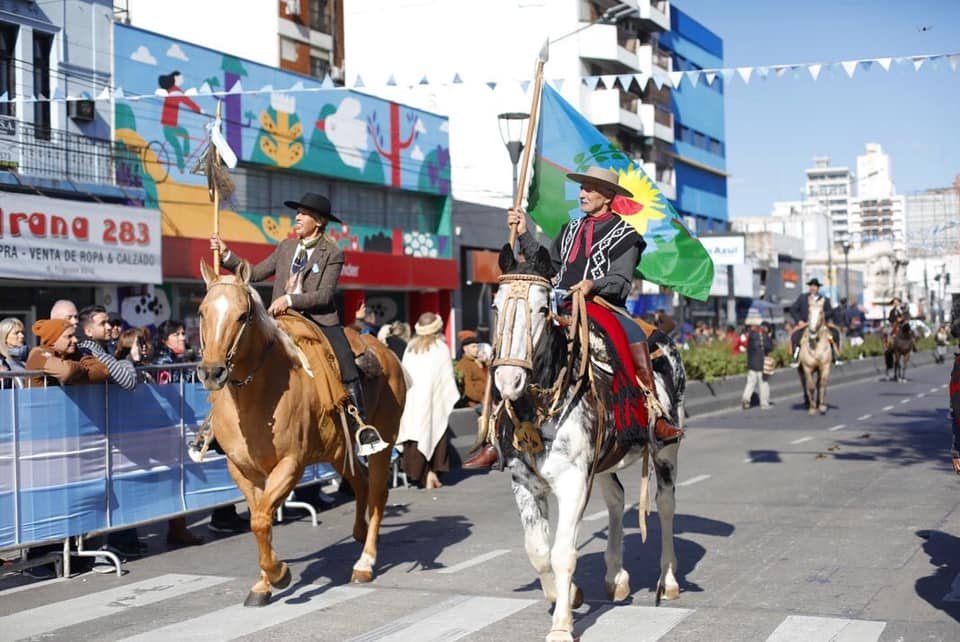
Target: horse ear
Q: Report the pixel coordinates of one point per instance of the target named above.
(209, 276)
(243, 272)
(507, 261)
(543, 264)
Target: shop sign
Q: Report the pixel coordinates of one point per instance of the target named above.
(725, 250)
(58, 240)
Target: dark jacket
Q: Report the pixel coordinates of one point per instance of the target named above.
(759, 345)
(611, 269)
(319, 282)
(856, 320)
(801, 308)
(898, 312)
(165, 356)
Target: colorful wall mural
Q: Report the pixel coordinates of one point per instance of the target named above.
(335, 133)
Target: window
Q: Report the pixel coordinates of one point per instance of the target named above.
(42, 44)
(319, 67)
(8, 41)
(318, 16)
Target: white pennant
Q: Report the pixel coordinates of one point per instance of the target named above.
(327, 82)
(608, 80)
(745, 73)
(675, 78)
(728, 73)
(658, 79)
(589, 81)
(104, 95)
(709, 76)
(625, 81)
(693, 77)
(953, 59)
(849, 66)
(814, 70)
(763, 72)
(781, 70)
(558, 82)
(358, 81)
(918, 62)
(3, 98)
(884, 62)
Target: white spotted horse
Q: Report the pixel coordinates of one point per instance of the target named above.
(555, 412)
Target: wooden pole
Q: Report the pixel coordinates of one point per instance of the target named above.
(528, 143)
(215, 196)
(484, 429)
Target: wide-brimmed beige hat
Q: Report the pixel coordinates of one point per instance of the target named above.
(601, 176)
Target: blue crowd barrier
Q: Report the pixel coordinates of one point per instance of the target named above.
(93, 458)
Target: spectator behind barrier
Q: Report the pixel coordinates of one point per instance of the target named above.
(94, 329)
(58, 358)
(132, 346)
(13, 348)
(65, 309)
(171, 347)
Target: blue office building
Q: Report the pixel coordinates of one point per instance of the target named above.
(699, 150)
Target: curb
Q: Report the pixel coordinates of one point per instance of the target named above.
(721, 394)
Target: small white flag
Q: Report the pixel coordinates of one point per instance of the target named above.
(849, 66)
(675, 78)
(814, 70)
(745, 73)
(885, 63)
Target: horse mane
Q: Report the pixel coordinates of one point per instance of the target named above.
(272, 328)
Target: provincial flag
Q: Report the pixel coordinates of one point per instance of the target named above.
(568, 143)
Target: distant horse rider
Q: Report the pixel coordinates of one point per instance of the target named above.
(801, 314)
(307, 270)
(899, 314)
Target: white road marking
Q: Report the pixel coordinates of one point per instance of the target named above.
(634, 623)
(921, 395)
(799, 628)
(864, 418)
(886, 408)
(602, 514)
(904, 401)
(238, 620)
(748, 460)
(801, 440)
(452, 619)
(695, 480)
(837, 427)
(58, 615)
(473, 561)
(934, 389)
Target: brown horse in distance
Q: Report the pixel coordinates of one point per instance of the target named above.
(276, 408)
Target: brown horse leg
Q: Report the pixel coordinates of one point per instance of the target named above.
(273, 572)
(379, 470)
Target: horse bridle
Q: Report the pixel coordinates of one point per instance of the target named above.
(517, 294)
(245, 319)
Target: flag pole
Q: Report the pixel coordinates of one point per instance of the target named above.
(531, 128)
(484, 431)
(215, 197)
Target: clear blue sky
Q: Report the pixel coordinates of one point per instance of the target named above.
(775, 127)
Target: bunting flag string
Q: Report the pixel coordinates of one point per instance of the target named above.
(660, 77)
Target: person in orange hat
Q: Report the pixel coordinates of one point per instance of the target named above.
(57, 356)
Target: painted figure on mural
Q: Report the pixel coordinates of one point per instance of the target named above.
(175, 134)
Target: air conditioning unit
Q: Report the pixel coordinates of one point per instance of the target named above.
(81, 110)
(292, 7)
(336, 73)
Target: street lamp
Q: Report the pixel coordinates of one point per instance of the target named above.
(846, 268)
(512, 125)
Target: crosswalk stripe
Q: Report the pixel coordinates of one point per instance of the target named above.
(238, 620)
(634, 623)
(694, 480)
(479, 559)
(799, 628)
(450, 620)
(44, 619)
(801, 440)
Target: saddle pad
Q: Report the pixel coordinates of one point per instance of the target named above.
(323, 362)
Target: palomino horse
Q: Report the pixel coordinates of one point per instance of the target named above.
(816, 356)
(897, 354)
(275, 409)
(536, 375)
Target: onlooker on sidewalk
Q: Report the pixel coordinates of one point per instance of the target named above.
(759, 345)
(473, 368)
(64, 309)
(57, 356)
(94, 334)
(13, 347)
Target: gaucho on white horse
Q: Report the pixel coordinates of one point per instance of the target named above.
(577, 392)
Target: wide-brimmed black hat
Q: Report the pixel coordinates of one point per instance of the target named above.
(315, 205)
(815, 281)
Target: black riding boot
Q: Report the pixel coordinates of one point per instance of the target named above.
(368, 439)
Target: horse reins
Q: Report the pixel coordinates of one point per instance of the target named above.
(244, 324)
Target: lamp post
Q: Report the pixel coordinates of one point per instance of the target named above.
(846, 268)
(511, 133)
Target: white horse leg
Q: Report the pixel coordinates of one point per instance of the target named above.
(665, 464)
(570, 488)
(534, 515)
(617, 579)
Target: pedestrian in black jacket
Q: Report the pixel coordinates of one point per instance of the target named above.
(759, 345)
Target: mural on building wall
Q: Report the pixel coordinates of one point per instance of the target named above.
(336, 133)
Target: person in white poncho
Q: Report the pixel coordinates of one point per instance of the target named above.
(424, 424)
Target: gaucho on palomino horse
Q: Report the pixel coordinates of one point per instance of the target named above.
(597, 255)
(307, 270)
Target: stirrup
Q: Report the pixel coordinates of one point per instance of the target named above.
(365, 450)
(197, 449)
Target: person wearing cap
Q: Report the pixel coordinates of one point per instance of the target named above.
(473, 369)
(306, 271)
(801, 314)
(759, 345)
(598, 255)
(57, 356)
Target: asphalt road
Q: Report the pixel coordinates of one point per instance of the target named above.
(789, 527)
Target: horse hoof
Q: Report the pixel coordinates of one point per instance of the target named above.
(667, 592)
(812, 411)
(577, 600)
(823, 410)
(559, 636)
(361, 576)
(257, 599)
(619, 589)
(284, 580)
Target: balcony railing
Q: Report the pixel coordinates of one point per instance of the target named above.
(56, 154)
